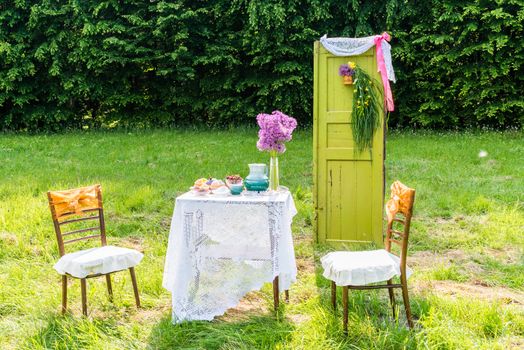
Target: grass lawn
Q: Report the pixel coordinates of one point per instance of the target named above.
(466, 246)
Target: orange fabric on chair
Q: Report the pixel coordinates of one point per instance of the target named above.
(400, 200)
(75, 201)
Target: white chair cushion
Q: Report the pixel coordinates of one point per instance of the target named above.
(97, 261)
(361, 268)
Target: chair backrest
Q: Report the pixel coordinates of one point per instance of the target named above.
(74, 206)
(401, 202)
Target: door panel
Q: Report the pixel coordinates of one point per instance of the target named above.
(348, 187)
(349, 201)
(339, 135)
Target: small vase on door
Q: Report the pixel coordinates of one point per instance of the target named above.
(348, 80)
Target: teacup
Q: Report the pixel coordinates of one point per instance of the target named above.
(236, 189)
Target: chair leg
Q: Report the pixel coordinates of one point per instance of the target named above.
(109, 287)
(64, 294)
(405, 296)
(345, 306)
(334, 295)
(135, 286)
(286, 294)
(275, 293)
(392, 298)
(84, 295)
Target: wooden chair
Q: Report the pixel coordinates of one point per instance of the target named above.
(342, 263)
(79, 206)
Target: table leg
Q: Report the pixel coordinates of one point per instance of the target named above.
(345, 306)
(334, 294)
(275, 293)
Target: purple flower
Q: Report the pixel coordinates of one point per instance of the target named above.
(275, 129)
(345, 70)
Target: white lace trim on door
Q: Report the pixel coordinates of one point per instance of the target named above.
(357, 46)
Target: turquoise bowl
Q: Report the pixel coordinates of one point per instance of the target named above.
(236, 189)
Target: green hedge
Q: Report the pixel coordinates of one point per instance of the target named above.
(85, 63)
(461, 63)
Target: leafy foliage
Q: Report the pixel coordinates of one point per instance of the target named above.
(73, 64)
(461, 63)
(367, 115)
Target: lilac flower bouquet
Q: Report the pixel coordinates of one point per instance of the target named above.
(275, 129)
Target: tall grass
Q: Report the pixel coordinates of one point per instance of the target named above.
(464, 204)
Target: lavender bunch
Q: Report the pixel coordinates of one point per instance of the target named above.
(275, 129)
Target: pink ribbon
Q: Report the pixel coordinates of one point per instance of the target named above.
(388, 97)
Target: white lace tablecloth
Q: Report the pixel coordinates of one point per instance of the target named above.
(221, 248)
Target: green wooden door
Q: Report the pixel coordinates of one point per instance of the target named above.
(348, 187)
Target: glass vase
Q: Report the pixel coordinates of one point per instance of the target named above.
(273, 172)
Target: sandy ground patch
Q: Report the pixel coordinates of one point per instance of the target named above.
(153, 314)
(131, 242)
(8, 238)
(470, 291)
(253, 303)
(427, 260)
(305, 265)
